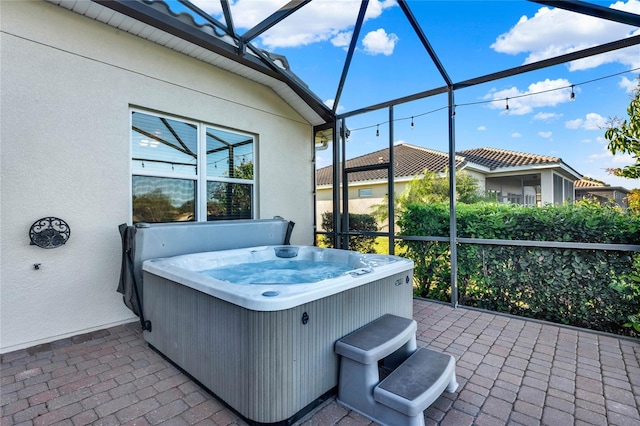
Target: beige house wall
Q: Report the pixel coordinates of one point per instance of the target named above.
(357, 204)
(68, 83)
(479, 177)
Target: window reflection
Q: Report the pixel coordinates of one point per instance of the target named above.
(227, 200)
(229, 154)
(168, 175)
(157, 199)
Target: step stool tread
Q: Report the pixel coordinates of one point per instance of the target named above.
(417, 382)
(377, 339)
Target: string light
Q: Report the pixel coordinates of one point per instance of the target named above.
(242, 158)
(572, 98)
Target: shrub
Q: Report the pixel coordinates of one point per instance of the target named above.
(581, 287)
(357, 222)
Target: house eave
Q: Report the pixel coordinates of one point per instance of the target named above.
(603, 188)
(176, 33)
(468, 165)
(504, 171)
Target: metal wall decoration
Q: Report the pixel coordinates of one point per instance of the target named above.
(49, 232)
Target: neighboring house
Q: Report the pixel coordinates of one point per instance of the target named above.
(521, 178)
(603, 193)
(511, 177)
(117, 106)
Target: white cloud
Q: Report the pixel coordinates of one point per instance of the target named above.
(342, 39)
(610, 160)
(574, 124)
(605, 160)
(592, 121)
(516, 135)
(538, 95)
(330, 102)
(320, 20)
(598, 165)
(212, 7)
(547, 116)
(546, 135)
(553, 31)
(628, 85)
(379, 42)
(481, 128)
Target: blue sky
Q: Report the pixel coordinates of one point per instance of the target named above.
(471, 38)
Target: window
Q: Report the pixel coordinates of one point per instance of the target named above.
(568, 190)
(189, 171)
(530, 200)
(562, 190)
(513, 198)
(494, 194)
(364, 193)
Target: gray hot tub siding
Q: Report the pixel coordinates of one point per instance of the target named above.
(266, 365)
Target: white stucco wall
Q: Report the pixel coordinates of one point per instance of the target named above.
(67, 85)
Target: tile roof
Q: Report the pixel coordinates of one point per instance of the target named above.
(593, 186)
(409, 161)
(412, 160)
(494, 158)
(583, 183)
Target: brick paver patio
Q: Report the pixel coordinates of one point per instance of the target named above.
(511, 371)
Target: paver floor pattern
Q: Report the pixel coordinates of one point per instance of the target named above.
(511, 372)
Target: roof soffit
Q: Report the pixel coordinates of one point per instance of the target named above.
(154, 21)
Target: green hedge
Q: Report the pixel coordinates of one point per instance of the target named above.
(357, 222)
(585, 288)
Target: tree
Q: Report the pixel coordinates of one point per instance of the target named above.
(227, 200)
(624, 137)
(633, 201)
(357, 222)
(154, 207)
(430, 188)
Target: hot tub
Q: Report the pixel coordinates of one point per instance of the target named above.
(263, 347)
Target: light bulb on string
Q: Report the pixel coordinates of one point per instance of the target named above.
(572, 96)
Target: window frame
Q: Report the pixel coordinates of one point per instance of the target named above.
(563, 184)
(200, 177)
(365, 192)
